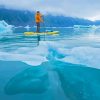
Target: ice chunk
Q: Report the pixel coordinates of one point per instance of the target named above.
(4, 27)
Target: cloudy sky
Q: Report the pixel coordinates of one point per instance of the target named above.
(78, 8)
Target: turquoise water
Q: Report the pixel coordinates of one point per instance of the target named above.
(62, 67)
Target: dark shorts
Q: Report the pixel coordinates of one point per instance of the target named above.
(38, 24)
(38, 27)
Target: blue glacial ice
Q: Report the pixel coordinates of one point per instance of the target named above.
(5, 28)
(72, 81)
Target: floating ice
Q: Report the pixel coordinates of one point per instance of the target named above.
(5, 28)
(27, 27)
(50, 51)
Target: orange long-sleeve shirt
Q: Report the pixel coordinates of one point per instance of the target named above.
(38, 18)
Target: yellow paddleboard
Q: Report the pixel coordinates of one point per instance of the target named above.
(42, 33)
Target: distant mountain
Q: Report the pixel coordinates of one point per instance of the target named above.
(18, 17)
(66, 21)
(97, 22)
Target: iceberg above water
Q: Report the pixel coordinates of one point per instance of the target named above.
(5, 28)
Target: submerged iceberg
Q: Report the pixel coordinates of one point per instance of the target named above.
(57, 80)
(4, 27)
(31, 80)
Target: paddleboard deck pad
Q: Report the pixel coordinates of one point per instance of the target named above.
(41, 33)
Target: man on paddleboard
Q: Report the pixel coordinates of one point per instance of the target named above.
(38, 20)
